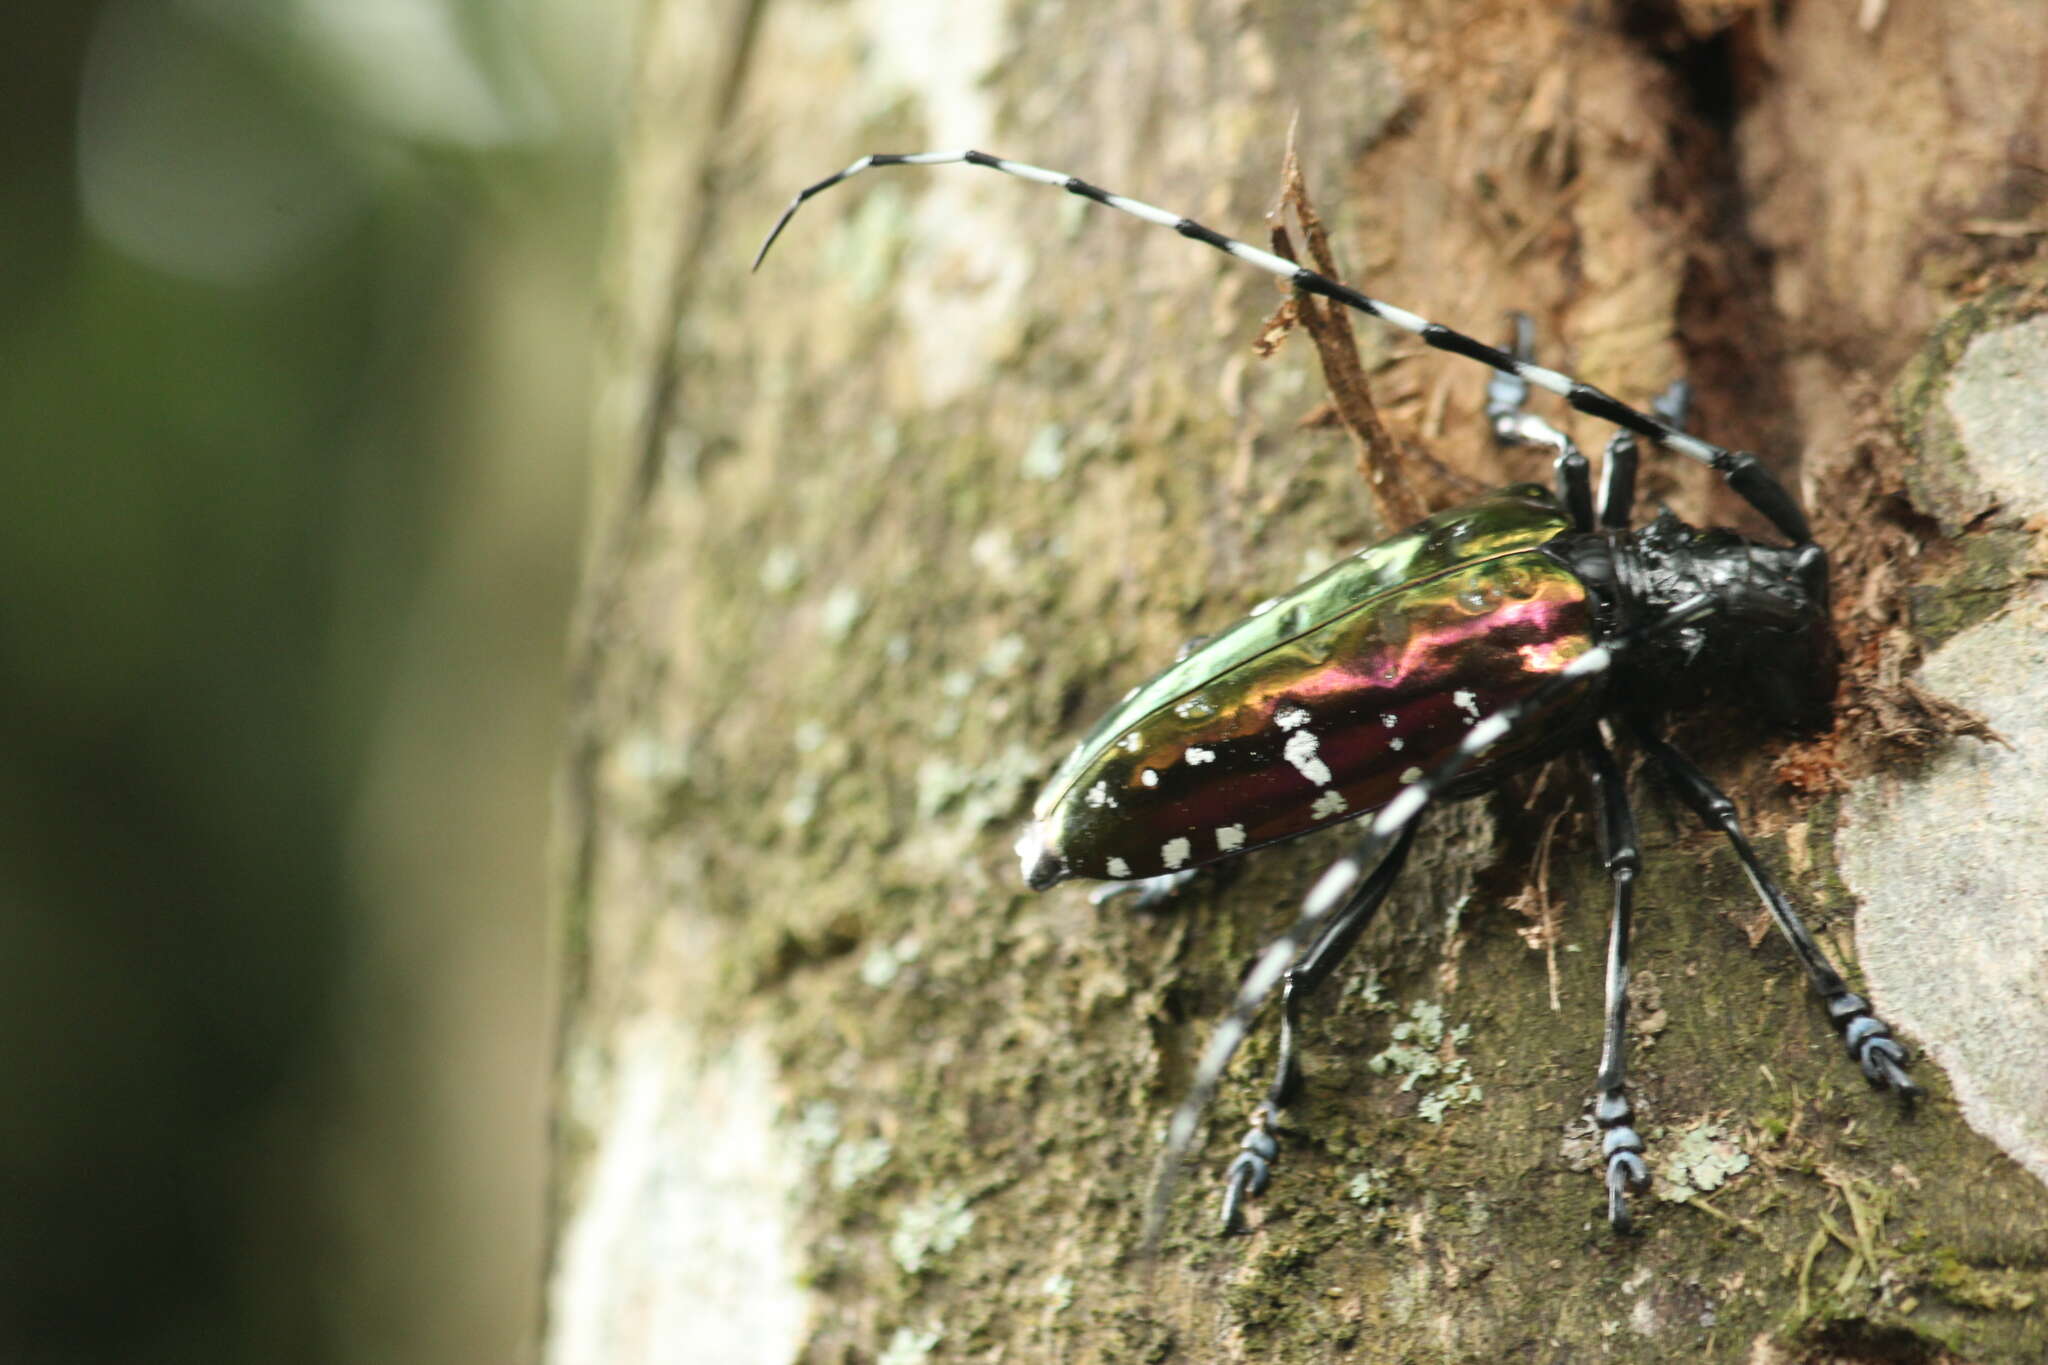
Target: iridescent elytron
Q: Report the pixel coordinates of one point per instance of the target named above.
(1323, 704)
(1483, 639)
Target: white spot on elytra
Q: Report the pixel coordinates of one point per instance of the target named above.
(1301, 752)
(1174, 852)
(1098, 795)
(1194, 708)
(1328, 804)
(1397, 744)
(1467, 702)
(1229, 837)
(1412, 775)
(1290, 717)
(1149, 778)
(1199, 755)
(1389, 719)
(1134, 741)
(1119, 868)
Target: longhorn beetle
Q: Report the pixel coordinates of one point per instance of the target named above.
(1478, 642)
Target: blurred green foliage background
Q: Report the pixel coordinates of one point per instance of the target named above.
(296, 323)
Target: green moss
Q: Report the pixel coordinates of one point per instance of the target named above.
(1972, 585)
(1989, 557)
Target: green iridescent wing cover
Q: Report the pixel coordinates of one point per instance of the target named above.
(1320, 707)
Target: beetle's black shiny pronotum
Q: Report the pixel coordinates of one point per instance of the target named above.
(1478, 642)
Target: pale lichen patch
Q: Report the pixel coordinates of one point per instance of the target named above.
(929, 1229)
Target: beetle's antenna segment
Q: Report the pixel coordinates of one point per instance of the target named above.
(1743, 471)
(1335, 886)
(893, 159)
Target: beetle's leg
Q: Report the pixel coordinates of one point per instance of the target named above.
(1149, 893)
(1618, 462)
(1506, 392)
(1612, 1113)
(1868, 1038)
(1252, 1170)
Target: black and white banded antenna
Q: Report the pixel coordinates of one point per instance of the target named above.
(1743, 471)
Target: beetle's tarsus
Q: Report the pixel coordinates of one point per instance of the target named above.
(1247, 1176)
(1251, 1172)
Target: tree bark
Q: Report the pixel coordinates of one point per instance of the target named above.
(889, 522)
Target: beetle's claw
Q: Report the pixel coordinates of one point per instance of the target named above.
(1247, 1176)
(1870, 1042)
(1251, 1172)
(1626, 1174)
(1884, 1063)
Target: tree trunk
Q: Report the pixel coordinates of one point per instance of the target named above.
(890, 521)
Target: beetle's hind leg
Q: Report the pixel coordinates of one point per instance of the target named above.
(1620, 1144)
(1253, 1169)
(1867, 1037)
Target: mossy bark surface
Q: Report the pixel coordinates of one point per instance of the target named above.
(887, 524)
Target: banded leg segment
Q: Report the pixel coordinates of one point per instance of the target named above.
(1620, 1144)
(1253, 1169)
(1867, 1037)
(1743, 471)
